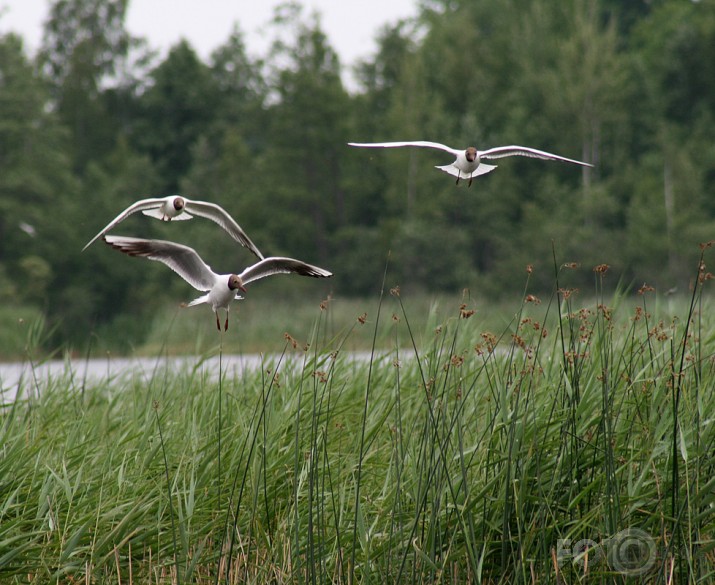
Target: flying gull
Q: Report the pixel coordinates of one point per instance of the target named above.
(468, 163)
(177, 208)
(220, 289)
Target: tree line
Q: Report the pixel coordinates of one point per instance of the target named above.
(97, 119)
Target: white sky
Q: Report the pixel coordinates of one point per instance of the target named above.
(351, 26)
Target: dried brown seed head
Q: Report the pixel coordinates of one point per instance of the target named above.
(645, 288)
(465, 313)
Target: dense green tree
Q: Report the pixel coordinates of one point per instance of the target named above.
(35, 181)
(627, 14)
(675, 49)
(84, 47)
(225, 156)
(577, 89)
(627, 86)
(302, 170)
(97, 283)
(380, 78)
(673, 52)
(175, 110)
(241, 86)
(83, 39)
(375, 202)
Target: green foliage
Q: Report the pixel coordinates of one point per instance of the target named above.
(85, 44)
(84, 38)
(96, 122)
(37, 188)
(178, 105)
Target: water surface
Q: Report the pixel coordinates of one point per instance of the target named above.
(27, 378)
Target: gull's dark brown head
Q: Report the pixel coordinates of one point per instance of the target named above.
(179, 203)
(471, 154)
(235, 282)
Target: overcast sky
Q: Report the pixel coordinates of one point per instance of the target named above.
(351, 26)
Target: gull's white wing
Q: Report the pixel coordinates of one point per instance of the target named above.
(278, 265)
(482, 169)
(502, 151)
(220, 216)
(142, 205)
(181, 259)
(420, 143)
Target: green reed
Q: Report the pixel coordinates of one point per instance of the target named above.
(570, 443)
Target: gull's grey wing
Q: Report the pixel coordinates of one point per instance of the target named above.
(502, 151)
(220, 216)
(181, 259)
(141, 205)
(420, 143)
(279, 265)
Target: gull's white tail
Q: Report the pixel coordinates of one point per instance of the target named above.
(201, 299)
(159, 215)
(482, 169)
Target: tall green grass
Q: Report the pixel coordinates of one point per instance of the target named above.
(258, 323)
(21, 329)
(571, 444)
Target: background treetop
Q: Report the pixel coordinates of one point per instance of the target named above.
(96, 120)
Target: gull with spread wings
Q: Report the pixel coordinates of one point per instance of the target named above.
(220, 289)
(468, 163)
(178, 208)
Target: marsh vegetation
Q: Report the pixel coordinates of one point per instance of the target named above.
(574, 443)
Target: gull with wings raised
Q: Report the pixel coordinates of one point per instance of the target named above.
(175, 207)
(220, 289)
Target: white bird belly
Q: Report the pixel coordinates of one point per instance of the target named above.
(220, 296)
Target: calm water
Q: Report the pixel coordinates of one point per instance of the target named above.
(76, 374)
